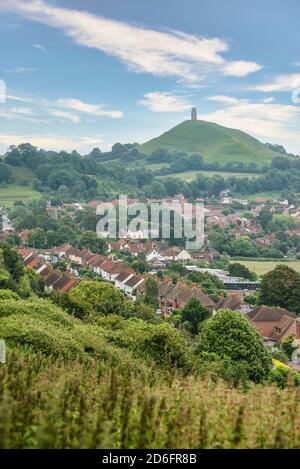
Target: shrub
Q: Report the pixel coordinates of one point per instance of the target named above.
(230, 334)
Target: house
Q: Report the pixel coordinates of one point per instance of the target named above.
(74, 255)
(23, 235)
(275, 323)
(95, 263)
(53, 212)
(51, 279)
(176, 254)
(153, 254)
(226, 200)
(122, 278)
(208, 254)
(109, 270)
(133, 283)
(177, 296)
(233, 301)
(266, 240)
(31, 261)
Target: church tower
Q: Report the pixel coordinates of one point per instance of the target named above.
(194, 114)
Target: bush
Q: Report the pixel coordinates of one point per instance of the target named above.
(96, 297)
(230, 334)
(8, 295)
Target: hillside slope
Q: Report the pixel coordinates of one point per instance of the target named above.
(214, 142)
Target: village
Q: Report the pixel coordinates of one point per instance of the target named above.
(239, 219)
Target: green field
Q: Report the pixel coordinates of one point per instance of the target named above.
(13, 192)
(22, 172)
(156, 166)
(190, 175)
(214, 142)
(263, 267)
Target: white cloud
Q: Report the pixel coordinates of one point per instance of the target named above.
(87, 108)
(65, 115)
(19, 113)
(17, 98)
(24, 111)
(55, 142)
(267, 121)
(224, 99)
(164, 102)
(171, 53)
(270, 99)
(280, 83)
(241, 68)
(19, 70)
(39, 47)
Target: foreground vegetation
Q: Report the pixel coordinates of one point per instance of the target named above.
(50, 404)
(91, 369)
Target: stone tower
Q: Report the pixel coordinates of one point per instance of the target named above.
(194, 114)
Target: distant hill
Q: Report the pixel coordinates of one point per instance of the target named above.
(214, 142)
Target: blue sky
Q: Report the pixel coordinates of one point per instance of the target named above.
(81, 74)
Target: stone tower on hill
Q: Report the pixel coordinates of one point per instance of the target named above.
(194, 114)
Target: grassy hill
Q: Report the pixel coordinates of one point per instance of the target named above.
(214, 142)
(18, 191)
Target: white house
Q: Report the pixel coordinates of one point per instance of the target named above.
(121, 279)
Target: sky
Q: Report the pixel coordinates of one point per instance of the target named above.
(81, 74)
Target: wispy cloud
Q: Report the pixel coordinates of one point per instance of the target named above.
(61, 108)
(158, 101)
(65, 115)
(17, 98)
(19, 70)
(163, 53)
(23, 111)
(39, 47)
(87, 108)
(20, 113)
(268, 121)
(280, 83)
(224, 99)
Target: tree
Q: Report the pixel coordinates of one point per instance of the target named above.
(264, 217)
(97, 297)
(289, 346)
(140, 265)
(193, 314)
(281, 287)
(231, 335)
(89, 240)
(240, 270)
(281, 162)
(37, 238)
(6, 174)
(151, 292)
(13, 262)
(65, 234)
(243, 247)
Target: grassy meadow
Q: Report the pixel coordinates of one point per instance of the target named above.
(263, 267)
(13, 192)
(190, 175)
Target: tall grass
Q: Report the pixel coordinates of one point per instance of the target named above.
(48, 403)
